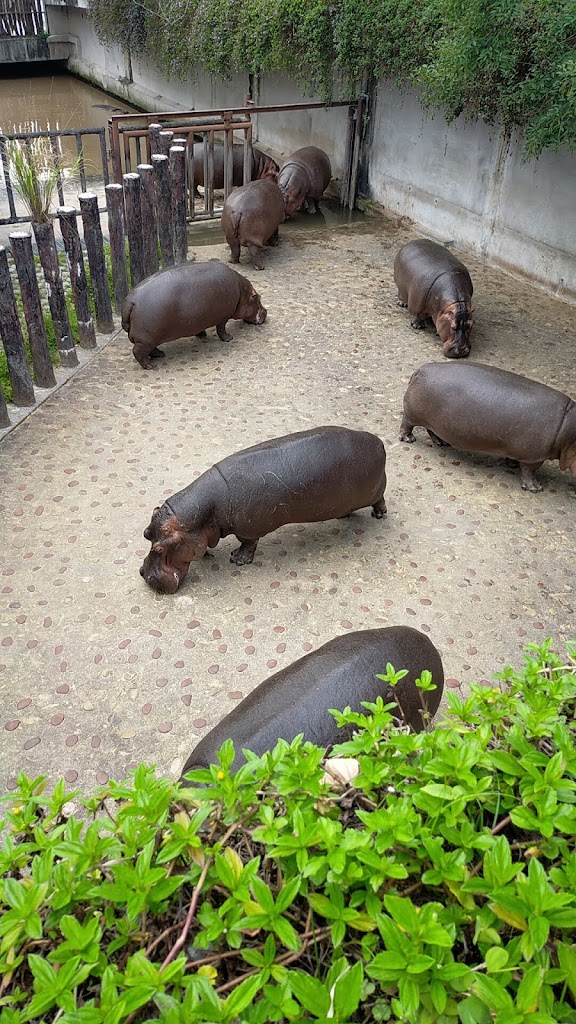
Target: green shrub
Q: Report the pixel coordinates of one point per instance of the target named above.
(439, 887)
(511, 62)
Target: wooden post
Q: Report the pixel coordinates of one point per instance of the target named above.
(149, 223)
(115, 204)
(69, 227)
(165, 138)
(11, 332)
(95, 249)
(4, 417)
(44, 235)
(21, 244)
(133, 206)
(154, 137)
(164, 208)
(178, 188)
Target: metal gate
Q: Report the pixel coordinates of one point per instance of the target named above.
(134, 138)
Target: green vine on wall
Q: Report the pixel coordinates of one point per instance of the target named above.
(509, 62)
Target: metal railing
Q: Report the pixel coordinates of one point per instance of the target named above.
(22, 18)
(55, 136)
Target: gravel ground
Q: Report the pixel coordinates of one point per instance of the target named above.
(97, 672)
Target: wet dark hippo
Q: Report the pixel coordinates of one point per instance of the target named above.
(340, 674)
(259, 162)
(182, 301)
(434, 285)
(303, 178)
(483, 409)
(251, 216)
(308, 477)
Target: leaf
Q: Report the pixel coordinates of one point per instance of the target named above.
(347, 992)
(509, 916)
(438, 996)
(419, 963)
(539, 929)
(473, 1011)
(310, 993)
(14, 893)
(528, 994)
(492, 994)
(403, 912)
(567, 961)
(386, 966)
(43, 973)
(241, 997)
(286, 933)
(409, 995)
(287, 895)
(496, 959)
(263, 895)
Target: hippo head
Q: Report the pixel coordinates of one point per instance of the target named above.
(250, 308)
(294, 197)
(454, 325)
(173, 548)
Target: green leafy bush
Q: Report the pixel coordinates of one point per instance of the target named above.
(439, 887)
(511, 62)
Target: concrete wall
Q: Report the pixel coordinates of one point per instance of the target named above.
(460, 182)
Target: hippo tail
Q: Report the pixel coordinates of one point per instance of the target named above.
(235, 217)
(127, 307)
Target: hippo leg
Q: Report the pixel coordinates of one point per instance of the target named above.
(406, 429)
(143, 356)
(255, 251)
(312, 206)
(379, 508)
(528, 480)
(274, 239)
(418, 324)
(201, 334)
(438, 440)
(221, 332)
(400, 302)
(245, 553)
(157, 353)
(234, 252)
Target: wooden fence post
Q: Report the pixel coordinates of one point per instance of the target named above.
(44, 234)
(165, 137)
(154, 138)
(149, 223)
(11, 332)
(161, 167)
(21, 244)
(178, 188)
(69, 227)
(133, 207)
(95, 248)
(115, 205)
(4, 417)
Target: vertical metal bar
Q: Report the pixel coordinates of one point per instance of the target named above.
(359, 118)
(190, 176)
(80, 152)
(228, 157)
(138, 141)
(209, 185)
(248, 163)
(127, 160)
(205, 168)
(345, 191)
(7, 179)
(56, 158)
(103, 154)
(115, 150)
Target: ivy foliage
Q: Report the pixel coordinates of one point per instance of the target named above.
(437, 888)
(509, 62)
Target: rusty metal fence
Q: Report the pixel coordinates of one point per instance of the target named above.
(93, 167)
(22, 18)
(134, 138)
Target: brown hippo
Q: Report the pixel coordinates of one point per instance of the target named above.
(258, 164)
(308, 477)
(303, 178)
(434, 285)
(342, 673)
(182, 301)
(483, 409)
(251, 216)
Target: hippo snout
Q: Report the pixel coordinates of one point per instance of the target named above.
(259, 317)
(458, 348)
(162, 582)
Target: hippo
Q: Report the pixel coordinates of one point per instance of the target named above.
(178, 302)
(307, 477)
(251, 216)
(484, 409)
(342, 673)
(257, 165)
(303, 178)
(434, 285)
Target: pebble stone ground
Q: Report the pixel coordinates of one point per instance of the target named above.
(97, 672)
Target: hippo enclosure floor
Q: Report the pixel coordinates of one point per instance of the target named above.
(98, 672)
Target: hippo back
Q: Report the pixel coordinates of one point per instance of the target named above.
(342, 673)
(316, 165)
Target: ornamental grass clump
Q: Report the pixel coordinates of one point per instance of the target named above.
(440, 886)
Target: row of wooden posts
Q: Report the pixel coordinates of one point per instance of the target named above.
(147, 229)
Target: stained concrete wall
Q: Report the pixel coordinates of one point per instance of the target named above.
(460, 182)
